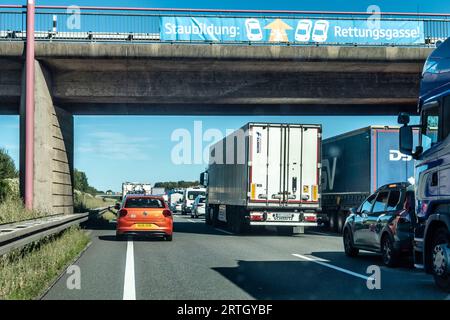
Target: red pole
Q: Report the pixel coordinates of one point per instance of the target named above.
(29, 107)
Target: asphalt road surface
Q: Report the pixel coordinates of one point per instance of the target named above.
(207, 263)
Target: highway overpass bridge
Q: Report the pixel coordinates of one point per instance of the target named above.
(171, 78)
(149, 79)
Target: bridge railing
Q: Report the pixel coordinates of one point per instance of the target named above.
(58, 23)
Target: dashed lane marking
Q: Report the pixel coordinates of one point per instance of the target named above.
(322, 263)
(129, 286)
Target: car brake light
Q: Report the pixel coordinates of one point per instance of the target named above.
(122, 212)
(167, 213)
(311, 218)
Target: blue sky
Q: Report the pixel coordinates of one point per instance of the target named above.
(114, 149)
(103, 143)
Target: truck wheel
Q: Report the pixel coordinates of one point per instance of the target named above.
(208, 216)
(340, 222)
(237, 221)
(349, 248)
(285, 231)
(233, 220)
(440, 263)
(333, 222)
(215, 221)
(236, 226)
(388, 253)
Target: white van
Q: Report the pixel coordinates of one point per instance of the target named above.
(190, 194)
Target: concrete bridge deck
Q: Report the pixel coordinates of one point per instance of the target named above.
(112, 78)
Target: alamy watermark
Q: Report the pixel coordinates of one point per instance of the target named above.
(73, 281)
(208, 146)
(374, 281)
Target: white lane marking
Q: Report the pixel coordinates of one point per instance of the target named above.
(224, 231)
(318, 261)
(129, 286)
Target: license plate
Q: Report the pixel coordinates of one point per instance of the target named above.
(145, 226)
(283, 216)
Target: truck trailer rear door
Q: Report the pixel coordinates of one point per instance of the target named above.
(310, 160)
(284, 164)
(266, 160)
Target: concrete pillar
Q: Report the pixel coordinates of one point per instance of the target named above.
(53, 150)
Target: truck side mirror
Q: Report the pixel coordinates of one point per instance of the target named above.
(117, 206)
(203, 178)
(406, 140)
(403, 118)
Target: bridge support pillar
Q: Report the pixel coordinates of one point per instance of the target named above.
(53, 148)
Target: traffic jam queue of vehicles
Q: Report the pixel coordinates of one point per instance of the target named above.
(432, 169)
(272, 180)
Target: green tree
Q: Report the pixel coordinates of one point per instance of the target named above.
(176, 184)
(92, 190)
(80, 181)
(7, 167)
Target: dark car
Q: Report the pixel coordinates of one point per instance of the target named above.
(383, 223)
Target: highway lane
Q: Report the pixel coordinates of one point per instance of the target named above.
(207, 263)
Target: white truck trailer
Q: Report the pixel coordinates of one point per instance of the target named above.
(265, 174)
(136, 188)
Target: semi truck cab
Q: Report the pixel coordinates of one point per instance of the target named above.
(432, 168)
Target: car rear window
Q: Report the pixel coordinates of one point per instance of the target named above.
(380, 203)
(367, 205)
(144, 203)
(394, 200)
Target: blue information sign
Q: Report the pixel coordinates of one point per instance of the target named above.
(224, 29)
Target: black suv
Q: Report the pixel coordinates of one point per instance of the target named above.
(383, 223)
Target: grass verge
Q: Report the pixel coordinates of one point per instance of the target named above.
(85, 202)
(13, 210)
(109, 215)
(27, 272)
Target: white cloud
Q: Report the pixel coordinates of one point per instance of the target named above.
(117, 146)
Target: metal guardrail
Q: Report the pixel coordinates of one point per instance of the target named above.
(19, 234)
(53, 23)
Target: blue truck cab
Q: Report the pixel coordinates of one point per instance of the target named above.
(432, 167)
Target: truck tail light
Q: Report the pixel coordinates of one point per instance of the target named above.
(257, 216)
(167, 213)
(123, 212)
(311, 218)
(424, 208)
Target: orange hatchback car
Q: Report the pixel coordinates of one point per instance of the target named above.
(142, 215)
